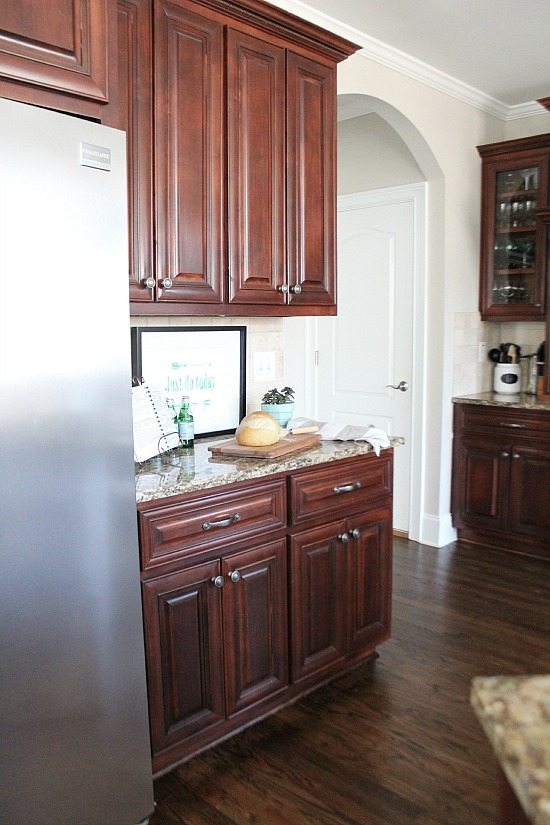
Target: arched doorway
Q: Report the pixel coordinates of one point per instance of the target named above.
(405, 133)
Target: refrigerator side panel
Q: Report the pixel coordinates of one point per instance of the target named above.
(74, 742)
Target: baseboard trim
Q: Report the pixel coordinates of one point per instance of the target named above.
(401, 534)
(437, 531)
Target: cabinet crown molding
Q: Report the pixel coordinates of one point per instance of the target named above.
(292, 28)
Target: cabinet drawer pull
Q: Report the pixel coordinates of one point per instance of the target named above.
(517, 426)
(225, 522)
(344, 537)
(347, 488)
(217, 581)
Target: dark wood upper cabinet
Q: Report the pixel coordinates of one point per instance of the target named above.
(515, 184)
(189, 154)
(56, 54)
(311, 176)
(256, 169)
(243, 167)
(131, 111)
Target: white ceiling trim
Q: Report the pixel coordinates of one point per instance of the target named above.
(392, 58)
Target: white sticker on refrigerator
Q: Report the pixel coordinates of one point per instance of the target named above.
(98, 157)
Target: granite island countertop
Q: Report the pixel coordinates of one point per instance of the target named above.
(184, 471)
(521, 401)
(514, 712)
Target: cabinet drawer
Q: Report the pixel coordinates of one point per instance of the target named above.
(502, 421)
(339, 487)
(208, 520)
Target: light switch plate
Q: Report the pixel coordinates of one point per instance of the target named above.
(264, 366)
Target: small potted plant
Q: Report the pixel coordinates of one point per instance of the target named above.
(279, 404)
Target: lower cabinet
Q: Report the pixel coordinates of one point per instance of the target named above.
(256, 593)
(216, 643)
(340, 591)
(501, 477)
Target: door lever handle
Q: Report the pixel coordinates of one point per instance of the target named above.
(403, 386)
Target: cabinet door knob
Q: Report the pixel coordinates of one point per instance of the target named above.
(224, 522)
(283, 288)
(516, 455)
(347, 488)
(150, 282)
(296, 289)
(167, 283)
(217, 581)
(505, 455)
(235, 576)
(355, 533)
(344, 537)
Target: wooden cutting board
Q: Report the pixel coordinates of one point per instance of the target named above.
(286, 446)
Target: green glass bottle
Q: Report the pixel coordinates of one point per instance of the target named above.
(186, 424)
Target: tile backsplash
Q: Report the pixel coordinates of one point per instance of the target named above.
(473, 376)
(263, 335)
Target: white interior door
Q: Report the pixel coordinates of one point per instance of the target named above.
(369, 345)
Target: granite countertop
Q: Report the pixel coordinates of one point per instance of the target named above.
(183, 471)
(521, 401)
(514, 712)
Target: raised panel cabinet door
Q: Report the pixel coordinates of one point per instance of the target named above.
(256, 169)
(133, 104)
(482, 481)
(370, 579)
(189, 153)
(311, 181)
(255, 624)
(61, 46)
(183, 642)
(530, 493)
(318, 599)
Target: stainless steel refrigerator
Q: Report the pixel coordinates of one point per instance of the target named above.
(74, 742)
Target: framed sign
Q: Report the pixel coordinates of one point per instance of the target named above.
(208, 364)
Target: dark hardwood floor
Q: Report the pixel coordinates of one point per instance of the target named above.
(394, 742)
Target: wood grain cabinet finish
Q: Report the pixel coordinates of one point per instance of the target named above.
(131, 111)
(515, 184)
(311, 164)
(340, 584)
(184, 649)
(256, 111)
(216, 644)
(189, 153)
(501, 478)
(244, 162)
(56, 54)
(249, 614)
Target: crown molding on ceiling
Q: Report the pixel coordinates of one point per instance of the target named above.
(380, 52)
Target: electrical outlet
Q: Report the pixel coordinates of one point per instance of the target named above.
(482, 350)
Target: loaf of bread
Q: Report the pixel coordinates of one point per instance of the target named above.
(258, 429)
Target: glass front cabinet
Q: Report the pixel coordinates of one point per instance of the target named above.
(515, 184)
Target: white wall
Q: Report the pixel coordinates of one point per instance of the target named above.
(371, 155)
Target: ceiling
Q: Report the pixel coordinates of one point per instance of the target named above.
(498, 47)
